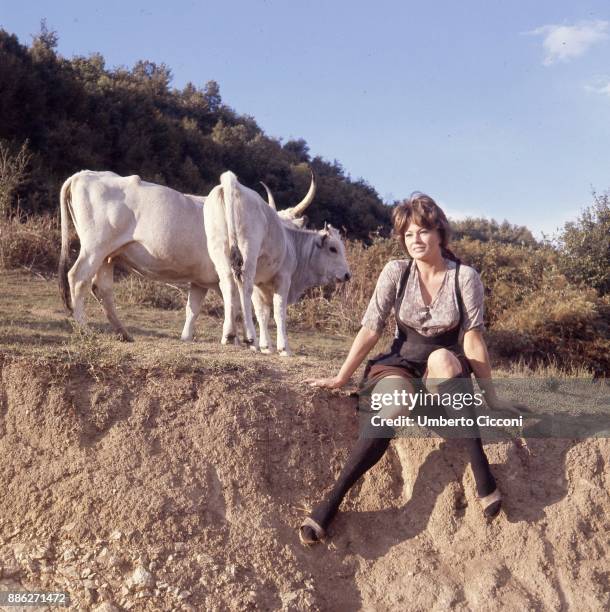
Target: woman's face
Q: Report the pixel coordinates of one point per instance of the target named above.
(422, 243)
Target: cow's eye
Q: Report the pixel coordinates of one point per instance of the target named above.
(333, 249)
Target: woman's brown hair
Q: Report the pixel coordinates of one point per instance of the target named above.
(421, 209)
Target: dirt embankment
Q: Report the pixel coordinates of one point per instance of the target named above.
(146, 490)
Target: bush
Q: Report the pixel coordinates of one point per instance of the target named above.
(33, 243)
(584, 246)
(509, 272)
(135, 289)
(562, 325)
(13, 172)
(486, 230)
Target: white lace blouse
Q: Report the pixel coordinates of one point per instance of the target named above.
(441, 315)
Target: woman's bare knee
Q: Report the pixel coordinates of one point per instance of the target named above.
(442, 363)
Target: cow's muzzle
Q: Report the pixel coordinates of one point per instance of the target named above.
(346, 277)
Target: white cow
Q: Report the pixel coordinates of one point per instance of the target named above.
(150, 228)
(265, 260)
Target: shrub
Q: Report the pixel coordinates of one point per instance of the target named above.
(33, 243)
(135, 289)
(584, 246)
(13, 172)
(559, 324)
(509, 272)
(486, 230)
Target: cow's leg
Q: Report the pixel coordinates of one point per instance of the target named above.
(228, 288)
(193, 308)
(79, 279)
(245, 294)
(262, 308)
(102, 290)
(236, 311)
(280, 304)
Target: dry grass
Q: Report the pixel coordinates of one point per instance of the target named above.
(31, 244)
(533, 313)
(35, 329)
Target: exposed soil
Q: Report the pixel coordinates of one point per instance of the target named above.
(149, 490)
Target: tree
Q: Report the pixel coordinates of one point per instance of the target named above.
(299, 149)
(487, 230)
(44, 43)
(584, 246)
(211, 94)
(156, 77)
(77, 113)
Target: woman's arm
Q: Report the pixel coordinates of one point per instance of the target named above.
(364, 341)
(475, 350)
(373, 322)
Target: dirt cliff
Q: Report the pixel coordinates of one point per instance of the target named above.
(145, 489)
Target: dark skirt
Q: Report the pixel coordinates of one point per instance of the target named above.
(392, 364)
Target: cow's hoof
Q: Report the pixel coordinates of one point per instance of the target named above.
(230, 340)
(251, 344)
(125, 337)
(266, 350)
(187, 338)
(285, 353)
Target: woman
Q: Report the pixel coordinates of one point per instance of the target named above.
(437, 301)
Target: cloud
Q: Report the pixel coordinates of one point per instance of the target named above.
(600, 87)
(562, 43)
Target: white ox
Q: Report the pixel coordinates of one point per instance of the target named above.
(150, 228)
(267, 261)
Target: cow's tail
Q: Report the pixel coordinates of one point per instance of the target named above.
(230, 189)
(62, 270)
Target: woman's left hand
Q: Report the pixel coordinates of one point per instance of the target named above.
(334, 382)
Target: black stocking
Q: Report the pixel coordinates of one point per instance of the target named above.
(366, 453)
(485, 482)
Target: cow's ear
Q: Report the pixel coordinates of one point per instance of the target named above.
(321, 239)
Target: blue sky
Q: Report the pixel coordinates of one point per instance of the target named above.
(495, 108)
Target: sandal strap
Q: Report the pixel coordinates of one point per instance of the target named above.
(317, 529)
(493, 497)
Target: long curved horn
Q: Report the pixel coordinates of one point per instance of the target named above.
(269, 196)
(300, 208)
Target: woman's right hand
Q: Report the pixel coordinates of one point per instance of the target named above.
(333, 382)
(364, 341)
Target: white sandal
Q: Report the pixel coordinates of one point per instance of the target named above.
(489, 501)
(316, 528)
